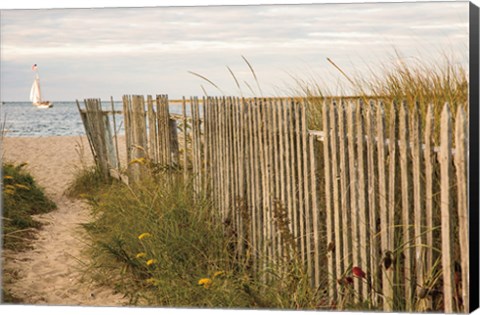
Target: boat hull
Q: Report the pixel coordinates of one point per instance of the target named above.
(43, 105)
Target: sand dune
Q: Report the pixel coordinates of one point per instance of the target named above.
(51, 273)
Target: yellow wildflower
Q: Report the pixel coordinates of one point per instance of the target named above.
(206, 282)
(153, 281)
(141, 255)
(9, 191)
(151, 262)
(144, 235)
(218, 273)
(22, 186)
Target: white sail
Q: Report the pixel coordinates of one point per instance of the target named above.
(35, 95)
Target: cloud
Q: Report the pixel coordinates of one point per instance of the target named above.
(122, 48)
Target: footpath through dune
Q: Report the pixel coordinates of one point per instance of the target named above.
(51, 273)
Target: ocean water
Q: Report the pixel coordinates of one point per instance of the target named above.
(24, 120)
(63, 119)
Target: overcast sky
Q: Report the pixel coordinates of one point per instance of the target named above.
(84, 53)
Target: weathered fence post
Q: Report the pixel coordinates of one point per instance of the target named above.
(152, 131)
(362, 194)
(99, 133)
(372, 204)
(418, 204)
(406, 204)
(428, 160)
(461, 165)
(445, 160)
(344, 184)
(330, 225)
(354, 211)
(138, 141)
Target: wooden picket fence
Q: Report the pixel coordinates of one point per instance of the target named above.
(99, 134)
(390, 208)
(372, 210)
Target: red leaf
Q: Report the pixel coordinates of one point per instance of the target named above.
(358, 272)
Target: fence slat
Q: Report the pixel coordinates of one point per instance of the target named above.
(115, 134)
(418, 204)
(428, 160)
(263, 141)
(392, 163)
(352, 158)
(461, 164)
(307, 210)
(219, 157)
(294, 168)
(344, 184)
(288, 160)
(257, 180)
(406, 223)
(224, 157)
(337, 217)
(168, 134)
(185, 137)
(293, 207)
(362, 195)
(276, 202)
(387, 284)
(205, 147)
(328, 207)
(160, 131)
(445, 160)
(299, 180)
(152, 130)
(237, 178)
(251, 173)
(126, 122)
(273, 174)
(194, 143)
(139, 142)
(282, 185)
(372, 204)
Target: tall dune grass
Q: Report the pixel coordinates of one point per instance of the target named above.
(396, 81)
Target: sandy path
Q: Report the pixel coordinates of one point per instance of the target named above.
(50, 272)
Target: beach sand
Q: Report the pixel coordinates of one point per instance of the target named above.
(51, 273)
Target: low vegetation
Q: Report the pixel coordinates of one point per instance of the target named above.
(21, 198)
(160, 244)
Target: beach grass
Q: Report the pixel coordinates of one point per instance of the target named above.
(159, 244)
(22, 198)
(87, 180)
(394, 82)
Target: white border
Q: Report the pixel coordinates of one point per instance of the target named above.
(46, 4)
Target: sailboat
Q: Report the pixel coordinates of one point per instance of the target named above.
(36, 94)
